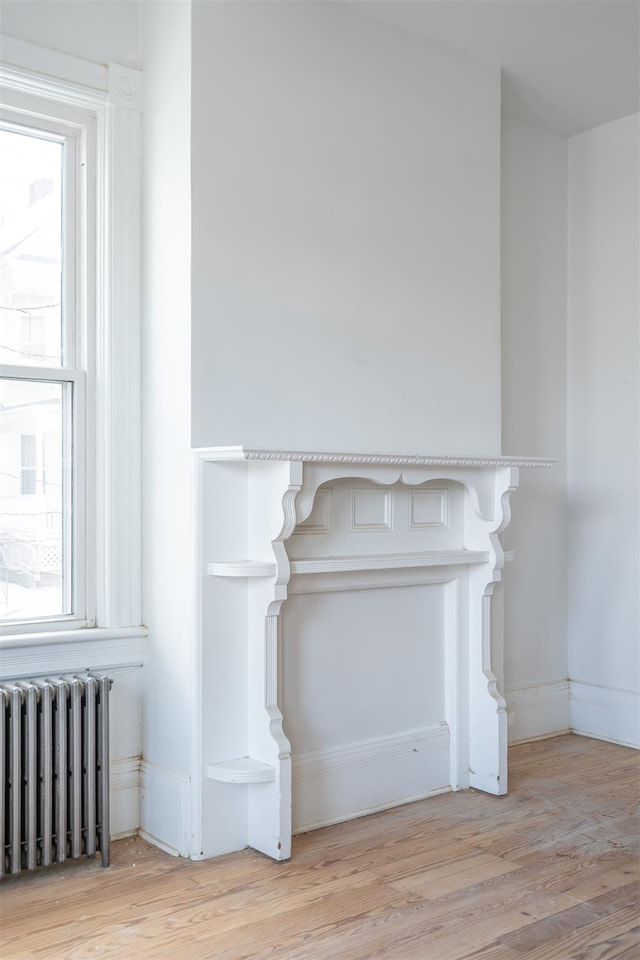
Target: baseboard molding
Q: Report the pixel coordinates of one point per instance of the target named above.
(164, 809)
(605, 713)
(125, 797)
(341, 783)
(538, 711)
(386, 805)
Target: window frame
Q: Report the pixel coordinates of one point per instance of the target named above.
(75, 130)
(104, 105)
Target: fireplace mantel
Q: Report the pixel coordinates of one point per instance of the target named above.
(280, 523)
(238, 453)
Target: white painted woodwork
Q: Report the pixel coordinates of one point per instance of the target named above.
(373, 683)
(400, 561)
(537, 711)
(242, 770)
(604, 712)
(338, 783)
(242, 568)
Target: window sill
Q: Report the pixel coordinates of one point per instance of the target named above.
(107, 649)
(76, 635)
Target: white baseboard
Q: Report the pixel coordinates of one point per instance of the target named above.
(605, 713)
(341, 783)
(164, 809)
(538, 711)
(125, 797)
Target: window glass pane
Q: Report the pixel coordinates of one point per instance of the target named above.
(34, 492)
(28, 463)
(30, 250)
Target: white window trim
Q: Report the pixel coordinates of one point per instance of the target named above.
(114, 95)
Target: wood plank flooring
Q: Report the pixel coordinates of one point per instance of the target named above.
(549, 872)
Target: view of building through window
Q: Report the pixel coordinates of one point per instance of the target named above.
(34, 412)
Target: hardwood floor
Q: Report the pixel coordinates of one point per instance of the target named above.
(549, 872)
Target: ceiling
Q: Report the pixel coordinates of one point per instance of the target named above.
(568, 65)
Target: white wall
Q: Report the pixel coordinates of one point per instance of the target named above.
(604, 431)
(168, 532)
(534, 364)
(103, 30)
(345, 234)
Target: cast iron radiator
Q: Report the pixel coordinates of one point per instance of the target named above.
(54, 771)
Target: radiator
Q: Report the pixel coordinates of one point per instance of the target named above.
(54, 771)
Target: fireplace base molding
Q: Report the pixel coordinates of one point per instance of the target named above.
(375, 683)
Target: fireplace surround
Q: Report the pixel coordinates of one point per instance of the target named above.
(348, 660)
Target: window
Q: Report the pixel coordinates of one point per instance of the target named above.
(43, 205)
(69, 347)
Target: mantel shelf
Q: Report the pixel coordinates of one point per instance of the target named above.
(388, 561)
(242, 770)
(383, 561)
(240, 453)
